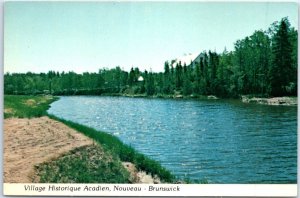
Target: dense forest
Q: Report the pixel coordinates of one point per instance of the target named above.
(263, 64)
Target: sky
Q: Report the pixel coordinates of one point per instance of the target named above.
(85, 37)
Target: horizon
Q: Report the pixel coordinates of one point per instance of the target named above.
(85, 37)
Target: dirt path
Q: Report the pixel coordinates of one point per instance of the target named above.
(28, 142)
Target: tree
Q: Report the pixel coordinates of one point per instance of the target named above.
(197, 73)
(167, 79)
(178, 75)
(167, 68)
(264, 63)
(131, 78)
(187, 88)
(150, 87)
(281, 68)
(293, 37)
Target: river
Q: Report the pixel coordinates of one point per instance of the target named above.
(219, 141)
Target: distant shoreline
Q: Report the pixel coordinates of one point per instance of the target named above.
(275, 101)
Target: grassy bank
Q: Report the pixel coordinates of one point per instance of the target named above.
(126, 153)
(26, 106)
(79, 165)
(87, 164)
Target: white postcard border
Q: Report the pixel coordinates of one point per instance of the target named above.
(261, 190)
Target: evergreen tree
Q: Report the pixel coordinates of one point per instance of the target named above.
(150, 87)
(167, 79)
(167, 68)
(281, 67)
(264, 63)
(131, 78)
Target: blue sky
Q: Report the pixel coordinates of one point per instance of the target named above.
(80, 37)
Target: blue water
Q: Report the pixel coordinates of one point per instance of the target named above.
(220, 141)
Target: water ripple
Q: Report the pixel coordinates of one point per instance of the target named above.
(222, 141)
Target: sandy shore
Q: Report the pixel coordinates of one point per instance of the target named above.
(29, 142)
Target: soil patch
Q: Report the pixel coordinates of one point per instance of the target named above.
(28, 142)
(140, 177)
(30, 102)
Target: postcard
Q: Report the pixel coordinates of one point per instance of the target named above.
(150, 98)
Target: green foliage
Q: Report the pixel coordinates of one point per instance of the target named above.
(26, 106)
(87, 164)
(150, 87)
(126, 153)
(264, 64)
(282, 66)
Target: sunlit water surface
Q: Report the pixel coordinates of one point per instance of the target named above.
(220, 141)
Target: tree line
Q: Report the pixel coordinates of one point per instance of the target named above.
(263, 64)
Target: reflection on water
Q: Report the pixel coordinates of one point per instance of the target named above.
(222, 141)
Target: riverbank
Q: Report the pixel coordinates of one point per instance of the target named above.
(166, 96)
(287, 101)
(47, 149)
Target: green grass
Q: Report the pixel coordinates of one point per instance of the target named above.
(126, 153)
(61, 170)
(26, 106)
(87, 164)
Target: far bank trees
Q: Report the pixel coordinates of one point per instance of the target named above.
(262, 64)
